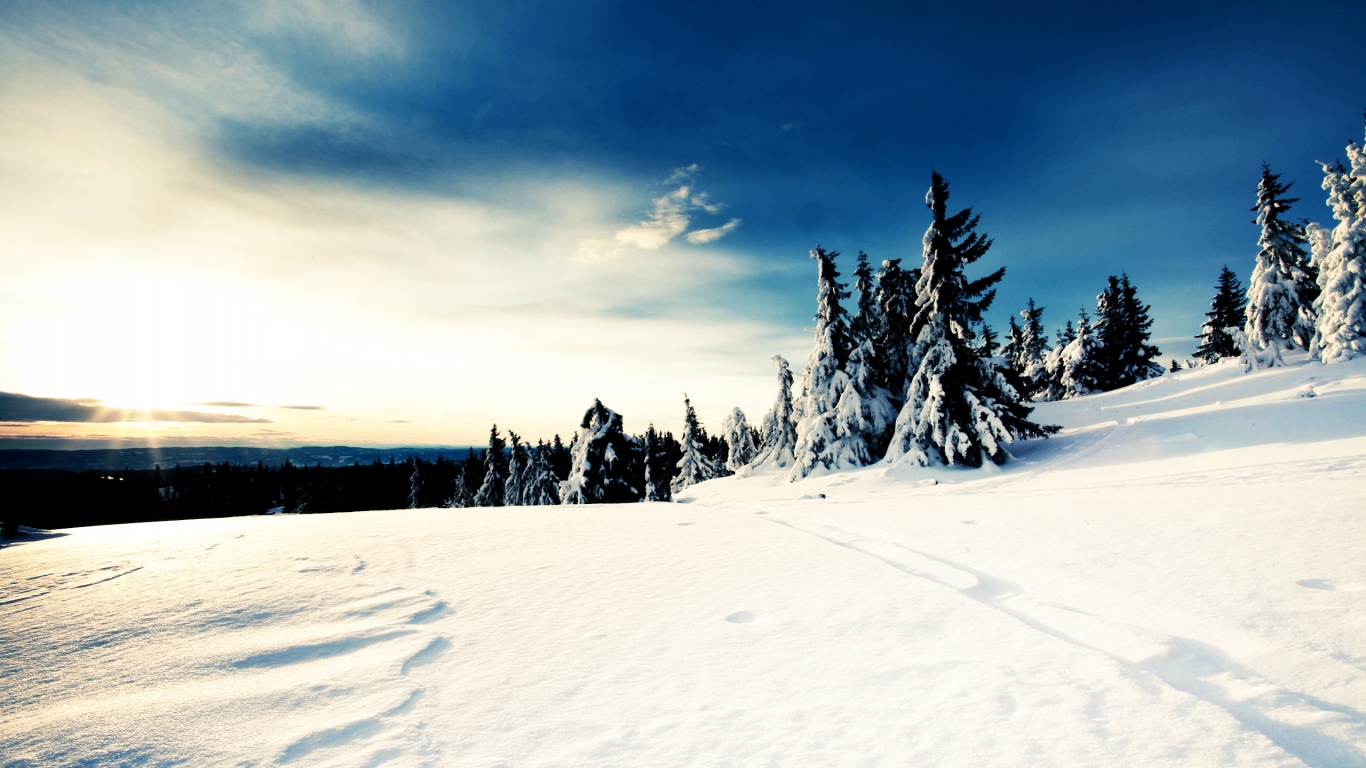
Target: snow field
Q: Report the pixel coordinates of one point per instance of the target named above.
(1165, 583)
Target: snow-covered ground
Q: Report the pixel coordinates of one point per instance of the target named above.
(1177, 579)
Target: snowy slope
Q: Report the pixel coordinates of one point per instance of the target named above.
(1177, 579)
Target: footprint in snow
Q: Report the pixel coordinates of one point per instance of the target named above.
(742, 617)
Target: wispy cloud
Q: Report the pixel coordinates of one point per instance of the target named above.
(25, 408)
(670, 216)
(702, 236)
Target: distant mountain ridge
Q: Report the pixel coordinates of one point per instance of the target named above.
(147, 458)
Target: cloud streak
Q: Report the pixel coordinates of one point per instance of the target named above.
(670, 216)
(703, 236)
(25, 408)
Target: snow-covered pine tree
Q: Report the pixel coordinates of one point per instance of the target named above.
(415, 486)
(959, 408)
(1280, 296)
(490, 493)
(779, 428)
(518, 462)
(737, 433)
(604, 464)
(866, 324)
(1031, 365)
(461, 495)
(1013, 348)
(1340, 256)
(657, 472)
(832, 430)
(1122, 329)
(541, 487)
(987, 345)
(896, 307)
(1227, 310)
(470, 481)
(694, 467)
(864, 412)
(1082, 364)
(1054, 367)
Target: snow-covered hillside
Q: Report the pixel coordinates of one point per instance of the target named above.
(1179, 578)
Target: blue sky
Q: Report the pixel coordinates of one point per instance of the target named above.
(498, 186)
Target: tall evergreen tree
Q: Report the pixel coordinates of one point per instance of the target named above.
(490, 493)
(830, 433)
(896, 307)
(1031, 361)
(1227, 311)
(415, 486)
(694, 467)
(468, 482)
(518, 462)
(1013, 348)
(1055, 367)
(1340, 256)
(741, 445)
(559, 458)
(1083, 364)
(657, 474)
(1122, 329)
(987, 344)
(604, 463)
(779, 426)
(1280, 308)
(866, 324)
(959, 408)
(541, 487)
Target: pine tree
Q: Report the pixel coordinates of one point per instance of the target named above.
(1227, 310)
(741, 446)
(1122, 329)
(415, 493)
(866, 324)
(693, 467)
(559, 458)
(1054, 366)
(779, 427)
(657, 475)
(1083, 364)
(1280, 296)
(604, 466)
(1175, 366)
(490, 493)
(461, 495)
(541, 487)
(896, 307)
(830, 428)
(514, 486)
(1031, 363)
(1013, 348)
(1340, 256)
(959, 408)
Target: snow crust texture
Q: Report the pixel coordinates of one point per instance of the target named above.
(1177, 580)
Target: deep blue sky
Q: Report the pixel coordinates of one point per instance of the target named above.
(1091, 139)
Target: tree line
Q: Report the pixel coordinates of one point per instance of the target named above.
(908, 371)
